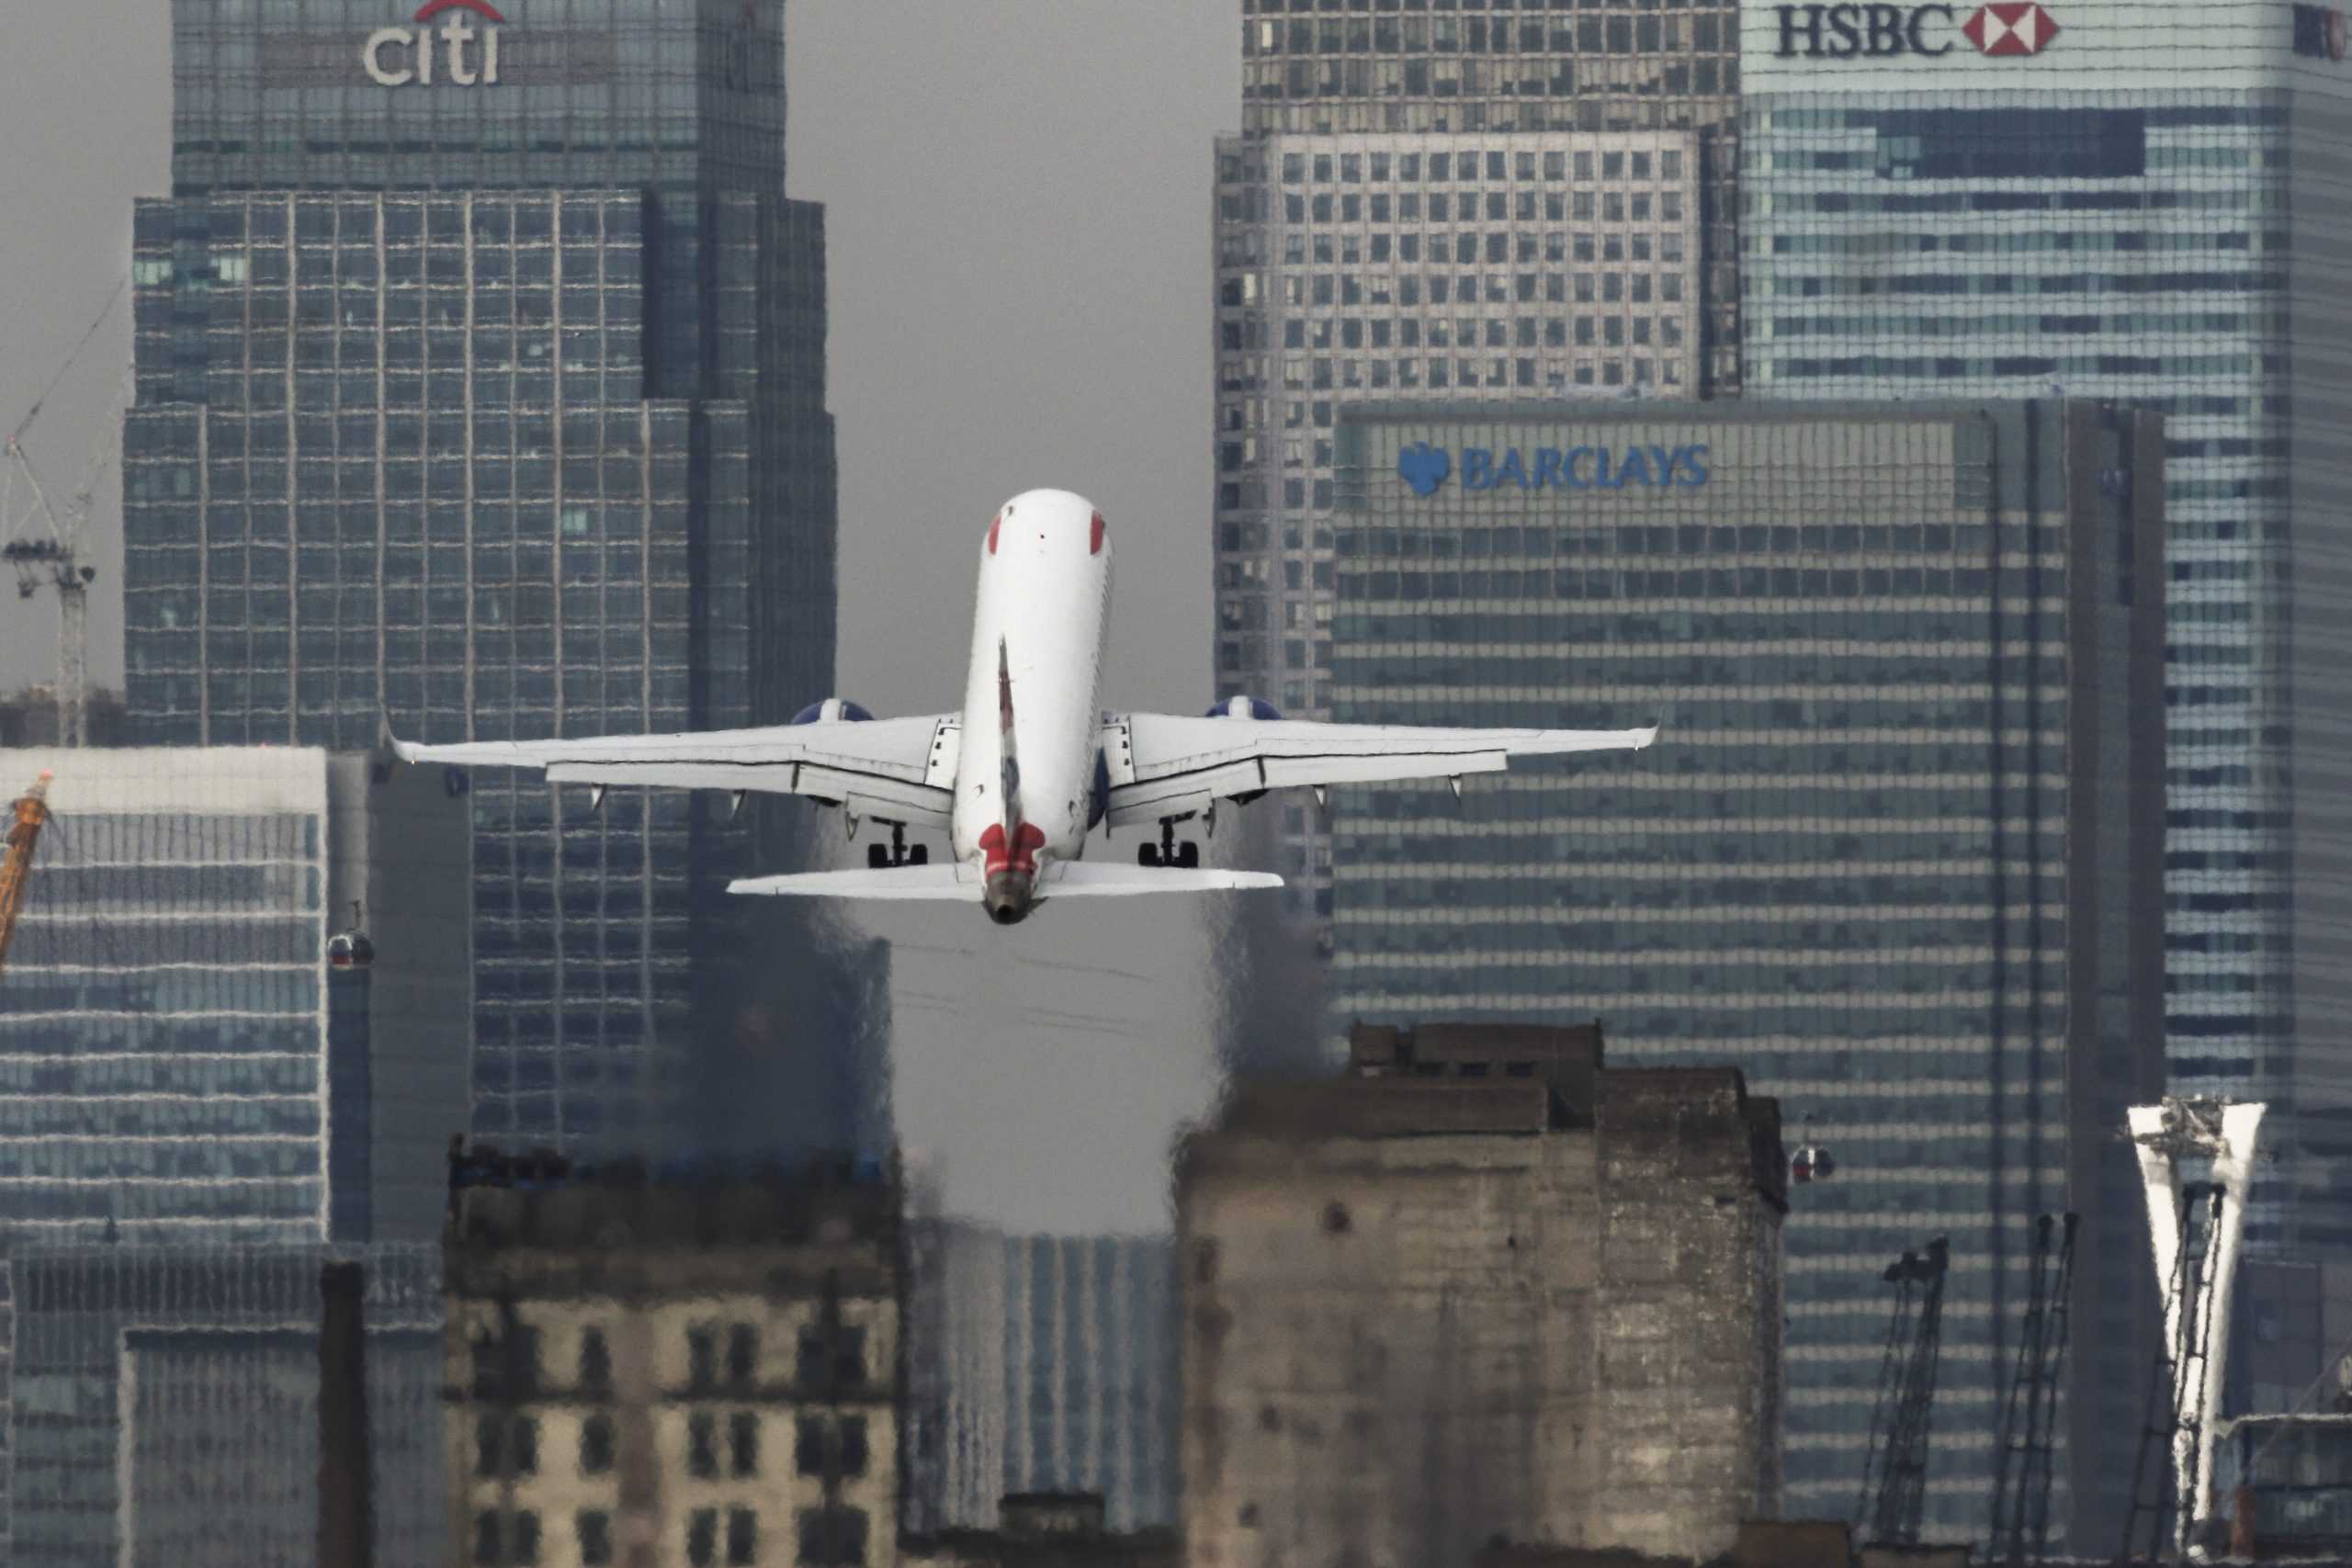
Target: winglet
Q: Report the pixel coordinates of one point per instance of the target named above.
(1646, 736)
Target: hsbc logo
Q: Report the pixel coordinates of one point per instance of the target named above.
(2006, 29)
(395, 57)
(2320, 32)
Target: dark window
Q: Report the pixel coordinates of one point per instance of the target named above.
(833, 1360)
(488, 1432)
(808, 1444)
(595, 1538)
(702, 1359)
(702, 1535)
(742, 1536)
(742, 1354)
(832, 1535)
(523, 1446)
(596, 1445)
(490, 1539)
(852, 1445)
(743, 1443)
(526, 1538)
(508, 1367)
(595, 1362)
(1987, 144)
(702, 1446)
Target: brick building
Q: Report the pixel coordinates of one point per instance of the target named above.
(1477, 1286)
(694, 1368)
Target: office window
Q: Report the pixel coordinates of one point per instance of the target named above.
(743, 1443)
(595, 1531)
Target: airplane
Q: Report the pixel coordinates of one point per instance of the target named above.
(1021, 776)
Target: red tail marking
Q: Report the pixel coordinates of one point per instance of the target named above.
(1095, 549)
(994, 523)
(1027, 840)
(433, 8)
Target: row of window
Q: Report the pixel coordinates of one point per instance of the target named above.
(508, 1447)
(718, 1358)
(1350, 168)
(826, 1536)
(1476, 35)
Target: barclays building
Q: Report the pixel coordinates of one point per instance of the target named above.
(1895, 852)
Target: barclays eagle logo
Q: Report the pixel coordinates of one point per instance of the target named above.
(1423, 467)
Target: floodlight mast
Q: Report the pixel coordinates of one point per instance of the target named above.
(2196, 1309)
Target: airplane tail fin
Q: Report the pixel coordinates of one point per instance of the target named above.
(1010, 762)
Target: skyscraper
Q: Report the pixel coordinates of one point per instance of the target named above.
(1495, 202)
(480, 392)
(2153, 203)
(1895, 852)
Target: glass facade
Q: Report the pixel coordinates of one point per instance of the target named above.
(1039, 1364)
(2154, 209)
(1893, 853)
(1493, 200)
(155, 1384)
(488, 403)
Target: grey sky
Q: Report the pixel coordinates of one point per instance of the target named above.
(1018, 195)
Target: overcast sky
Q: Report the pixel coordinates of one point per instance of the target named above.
(1018, 195)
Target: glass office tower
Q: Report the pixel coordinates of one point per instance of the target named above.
(1492, 201)
(480, 376)
(2150, 202)
(1894, 854)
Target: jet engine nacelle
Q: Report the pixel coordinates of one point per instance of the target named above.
(1244, 707)
(833, 710)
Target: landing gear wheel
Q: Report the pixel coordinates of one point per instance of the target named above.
(1147, 854)
(1187, 855)
(920, 854)
(878, 857)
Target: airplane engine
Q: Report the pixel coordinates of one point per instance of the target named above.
(830, 710)
(1244, 707)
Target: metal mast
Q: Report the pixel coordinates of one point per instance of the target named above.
(45, 550)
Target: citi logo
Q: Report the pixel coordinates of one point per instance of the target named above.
(397, 56)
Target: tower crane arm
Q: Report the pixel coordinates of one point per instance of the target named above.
(31, 811)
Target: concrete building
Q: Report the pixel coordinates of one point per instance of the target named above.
(1480, 1285)
(1039, 1365)
(465, 401)
(167, 1404)
(1895, 851)
(697, 1367)
(2149, 203)
(1525, 203)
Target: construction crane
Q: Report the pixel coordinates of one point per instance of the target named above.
(2028, 1421)
(23, 834)
(1894, 1474)
(45, 546)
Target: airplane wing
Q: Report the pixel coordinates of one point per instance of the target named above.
(963, 884)
(1164, 765)
(893, 770)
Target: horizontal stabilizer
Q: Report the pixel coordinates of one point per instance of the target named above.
(1076, 879)
(951, 884)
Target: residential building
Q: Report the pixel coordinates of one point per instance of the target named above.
(1495, 206)
(690, 1366)
(1894, 851)
(1482, 1285)
(481, 393)
(2147, 204)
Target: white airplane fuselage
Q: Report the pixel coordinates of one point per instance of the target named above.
(1026, 786)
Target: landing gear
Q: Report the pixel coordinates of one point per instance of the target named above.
(882, 857)
(1168, 852)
